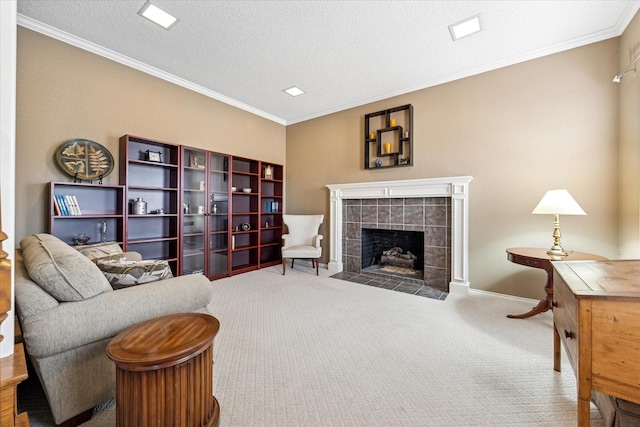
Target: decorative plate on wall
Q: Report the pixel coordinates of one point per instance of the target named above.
(84, 159)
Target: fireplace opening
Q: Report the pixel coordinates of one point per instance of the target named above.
(393, 252)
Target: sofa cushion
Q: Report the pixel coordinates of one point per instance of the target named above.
(616, 412)
(122, 273)
(30, 297)
(60, 270)
(110, 250)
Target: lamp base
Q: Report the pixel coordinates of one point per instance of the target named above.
(557, 251)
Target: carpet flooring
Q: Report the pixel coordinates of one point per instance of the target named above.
(307, 350)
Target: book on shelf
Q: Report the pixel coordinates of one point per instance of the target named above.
(76, 206)
(69, 201)
(72, 205)
(65, 205)
(62, 205)
(56, 206)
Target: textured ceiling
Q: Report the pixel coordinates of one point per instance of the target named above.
(341, 53)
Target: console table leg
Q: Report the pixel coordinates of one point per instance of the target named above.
(584, 412)
(557, 356)
(543, 305)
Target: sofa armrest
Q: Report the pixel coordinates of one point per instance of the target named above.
(284, 240)
(316, 240)
(74, 324)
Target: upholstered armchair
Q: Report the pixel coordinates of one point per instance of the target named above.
(302, 239)
(69, 312)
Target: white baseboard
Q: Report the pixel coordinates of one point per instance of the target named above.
(505, 296)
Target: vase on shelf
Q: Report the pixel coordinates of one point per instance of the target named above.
(103, 231)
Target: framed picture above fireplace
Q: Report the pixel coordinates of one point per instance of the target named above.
(388, 138)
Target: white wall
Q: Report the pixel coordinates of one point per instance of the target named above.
(8, 12)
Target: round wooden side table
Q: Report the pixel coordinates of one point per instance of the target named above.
(164, 372)
(539, 258)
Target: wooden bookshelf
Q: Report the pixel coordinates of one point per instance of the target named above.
(150, 170)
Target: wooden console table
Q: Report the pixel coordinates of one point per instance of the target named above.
(596, 316)
(164, 372)
(539, 258)
(13, 368)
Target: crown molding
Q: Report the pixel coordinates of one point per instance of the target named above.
(65, 37)
(631, 8)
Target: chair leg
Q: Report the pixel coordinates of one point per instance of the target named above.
(292, 261)
(284, 265)
(317, 263)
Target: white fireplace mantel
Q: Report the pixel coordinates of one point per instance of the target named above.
(457, 188)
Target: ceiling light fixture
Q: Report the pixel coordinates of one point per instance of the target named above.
(293, 91)
(618, 77)
(465, 27)
(158, 16)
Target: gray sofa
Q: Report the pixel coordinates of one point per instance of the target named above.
(68, 313)
(616, 412)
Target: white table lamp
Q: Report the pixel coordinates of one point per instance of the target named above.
(558, 202)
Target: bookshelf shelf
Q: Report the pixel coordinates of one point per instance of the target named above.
(97, 203)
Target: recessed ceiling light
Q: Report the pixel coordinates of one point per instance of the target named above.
(157, 16)
(465, 27)
(294, 91)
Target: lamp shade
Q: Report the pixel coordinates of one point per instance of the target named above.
(558, 202)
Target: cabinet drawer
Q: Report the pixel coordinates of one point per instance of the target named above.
(562, 293)
(564, 319)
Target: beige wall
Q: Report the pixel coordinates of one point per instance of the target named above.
(64, 92)
(519, 131)
(629, 150)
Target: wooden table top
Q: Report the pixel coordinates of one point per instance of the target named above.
(13, 368)
(540, 253)
(607, 278)
(164, 341)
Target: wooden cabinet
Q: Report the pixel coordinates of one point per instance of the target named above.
(206, 213)
(164, 371)
(13, 368)
(596, 317)
(271, 202)
(150, 171)
(204, 223)
(101, 212)
(245, 179)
